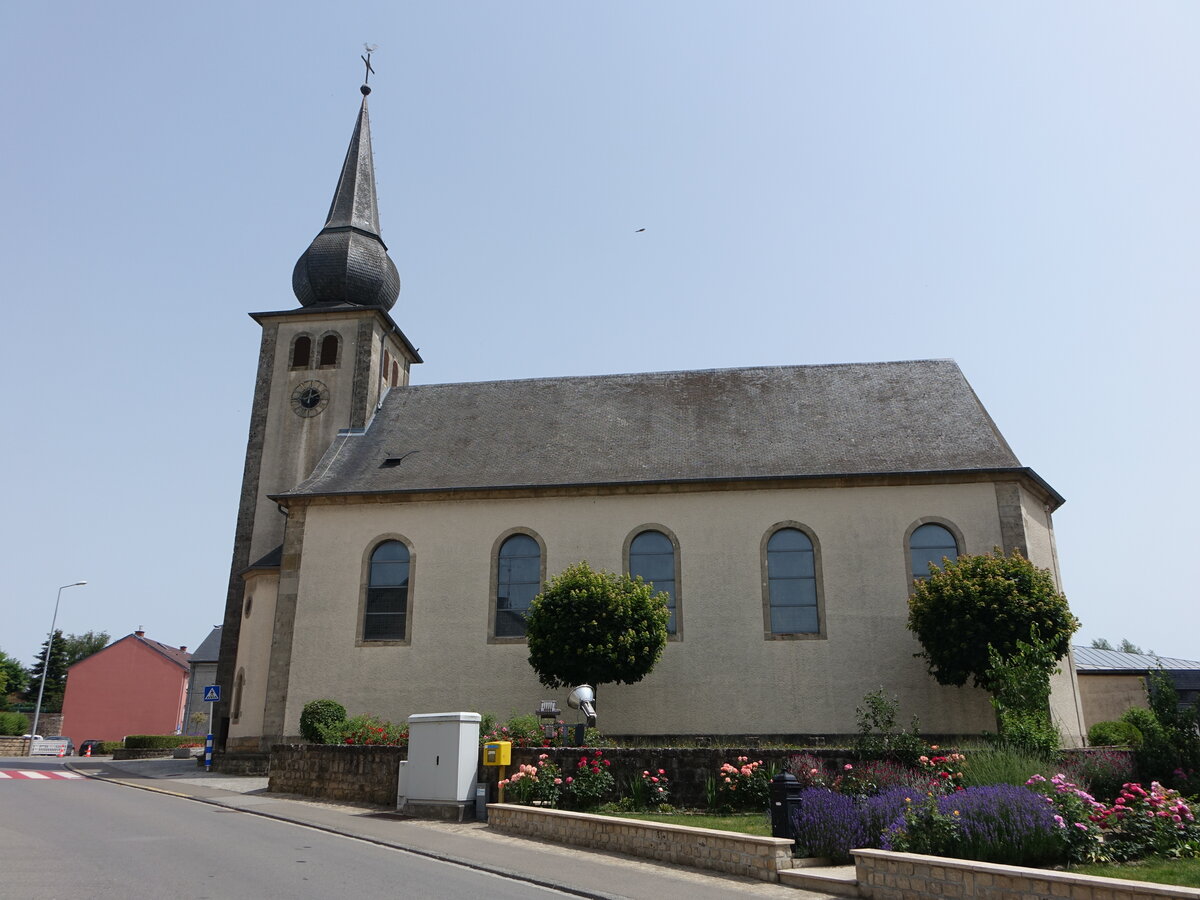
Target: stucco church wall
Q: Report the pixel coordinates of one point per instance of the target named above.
(1066, 708)
(254, 655)
(722, 677)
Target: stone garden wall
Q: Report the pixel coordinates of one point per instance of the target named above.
(701, 848)
(908, 876)
(348, 774)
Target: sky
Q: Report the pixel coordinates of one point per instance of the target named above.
(1014, 186)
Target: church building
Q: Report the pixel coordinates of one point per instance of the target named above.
(391, 535)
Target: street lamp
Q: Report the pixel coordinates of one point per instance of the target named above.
(37, 710)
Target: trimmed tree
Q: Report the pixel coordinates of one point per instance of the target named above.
(991, 600)
(590, 627)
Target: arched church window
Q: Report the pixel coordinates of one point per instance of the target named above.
(652, 556)
(792, 599)
(395, 373)
(386, 612)
(239, 687)
(301, 352)
(518, 581)
(330, 344)
(930, 543)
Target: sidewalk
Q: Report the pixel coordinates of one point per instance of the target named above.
(574, 870)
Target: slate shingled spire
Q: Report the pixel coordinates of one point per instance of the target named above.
(348, 261)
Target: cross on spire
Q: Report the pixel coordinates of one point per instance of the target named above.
(370, 48)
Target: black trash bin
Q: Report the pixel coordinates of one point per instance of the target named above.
(784, 798)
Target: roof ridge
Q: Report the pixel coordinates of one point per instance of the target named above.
(669, 372)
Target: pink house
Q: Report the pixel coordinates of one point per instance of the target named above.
(132, 686)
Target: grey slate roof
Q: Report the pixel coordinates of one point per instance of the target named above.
(1089, 659)
(771, 422)
(209, 648)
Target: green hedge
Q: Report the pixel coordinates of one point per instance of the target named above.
(14, 723)
(158, 741)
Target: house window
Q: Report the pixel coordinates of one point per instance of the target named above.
(395, 373)
(652, 556)
(302, 352)
(929, 544)
(518, 581)
(386, 612)
(792, 583)
(330, 344)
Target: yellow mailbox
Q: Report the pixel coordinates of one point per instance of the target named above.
(497, 753)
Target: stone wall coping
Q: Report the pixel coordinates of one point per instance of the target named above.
(733, 852)
(691, 830)
(1074, 879)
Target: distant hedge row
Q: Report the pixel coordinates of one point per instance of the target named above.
(159, 741)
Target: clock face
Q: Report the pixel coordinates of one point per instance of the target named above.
(310, 399)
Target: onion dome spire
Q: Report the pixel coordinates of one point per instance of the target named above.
(348, 261)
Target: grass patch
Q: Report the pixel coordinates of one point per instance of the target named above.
(744, 823)
(1181, 872)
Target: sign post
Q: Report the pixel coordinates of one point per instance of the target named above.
(212, 694)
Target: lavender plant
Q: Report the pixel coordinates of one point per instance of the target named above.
(1000, 823)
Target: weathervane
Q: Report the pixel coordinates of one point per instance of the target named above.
(370, 48)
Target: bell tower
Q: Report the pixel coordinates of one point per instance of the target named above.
(322, 370)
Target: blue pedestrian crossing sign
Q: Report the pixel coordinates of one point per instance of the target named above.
(212, 693)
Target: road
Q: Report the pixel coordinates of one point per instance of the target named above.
(82, 838)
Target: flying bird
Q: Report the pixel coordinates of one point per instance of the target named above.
(639, 231)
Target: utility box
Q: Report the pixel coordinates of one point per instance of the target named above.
(497, 753)
(439, 779)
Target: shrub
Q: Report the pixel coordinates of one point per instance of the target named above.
(367, 730)
(159, 741)
(992, 600)
(541, 783)
(14, 723)
(826, 823)
(877, 775)
(744, 786)
(1001, 824)
(1102, 772)
(590, 783)
(1170, 737)
(318, 718)
(1149, 822)
(879, 737)
(524, 731)
(1075, 812)
(650, 790)
(807, 769)
(107, 747)
(1114, 734)
(1002, 765)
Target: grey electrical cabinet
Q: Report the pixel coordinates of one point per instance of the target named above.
(443, 756)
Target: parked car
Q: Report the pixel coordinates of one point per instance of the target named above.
(97, 747)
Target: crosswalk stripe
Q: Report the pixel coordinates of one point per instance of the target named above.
(36, 775)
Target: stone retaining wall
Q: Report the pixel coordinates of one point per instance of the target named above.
(344, 773)
(14, 746)
(883, 875)
(720, 851)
